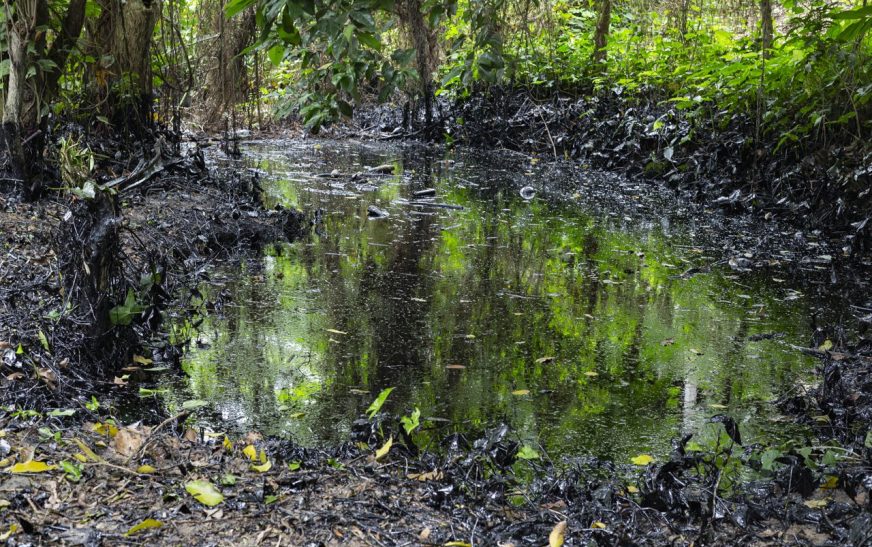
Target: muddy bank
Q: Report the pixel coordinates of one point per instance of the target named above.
(74, 476)
(86, 276)
(716, 160)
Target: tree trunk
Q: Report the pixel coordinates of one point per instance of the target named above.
(766, 27)
(424, 40)
(226, 80)
(601, 34)
(122, 38)
(682, 17)
(21, 25)
(60, 49)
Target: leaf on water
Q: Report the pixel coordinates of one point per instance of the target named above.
(378, 403)
(194, 403)
(146, 469)
(147, 524)
(642, 459)
(204, 492)
(383, 451)
(250, 451)
(557, 535)
(543, 360)
(33, 466)
(527, 452)
(521, 392)
(334, 331)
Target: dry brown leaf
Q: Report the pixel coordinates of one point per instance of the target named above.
(425, 534)
(127, 442)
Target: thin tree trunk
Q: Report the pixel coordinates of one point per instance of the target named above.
(601, 34)
(766, 27)
(60, 49)
(682, 17)
(424, 40)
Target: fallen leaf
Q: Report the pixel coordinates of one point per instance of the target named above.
(642, 459)
(334, 331)
(119, 381)
(262, 468)
(88, 452)
(424, 535)
(521, 392)
(816, 504)
(695, 351)
(455, 367)
(542, 360)
(107, 429)
(428, 476)
(144, 525)
(591, 374)
(557, 535)
(250, 451)
(194, 403)
(127, 442)
(204, 492)
(383, 451)
(146, 469)
(598, 525)
(142, 360)
(632, 489)
(33, 466)
(6, 535)
(667, 342)
(457, 544)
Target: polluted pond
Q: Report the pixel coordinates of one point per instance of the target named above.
(471, 348)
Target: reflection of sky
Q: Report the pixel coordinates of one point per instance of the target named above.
(638, 354)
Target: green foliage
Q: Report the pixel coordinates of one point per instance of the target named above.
(378, 403)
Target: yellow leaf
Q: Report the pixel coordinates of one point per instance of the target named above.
(12, 529)
(642, 459)
(32, 466)
(520, 392)
(263, 456)
(88, 452)
(591, 374)
(106, 429)
(250, 451)
(383, 451)
(146, 469)
(457, 544)
(598, 525)
(204, 492)
(826, 346)
(228, 444)
(262, 468)
(142, 360)
(831, 482)
(81, 457)
(543, 360)
(5, 462)
(816, 504)
(557, 535)
(632, 489)
(144, 525)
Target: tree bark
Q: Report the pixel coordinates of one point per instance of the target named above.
(766, 27)
(424, 39)
(63, 44)
(601, 33)
(21, 24)
(122, 38)
(682, 17)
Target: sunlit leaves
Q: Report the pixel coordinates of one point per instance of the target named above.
(557, 535)
(378, 403)
(410, 423)
(642, 459)
(33, 466)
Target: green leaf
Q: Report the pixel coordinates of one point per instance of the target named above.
(368, 39)
(378, 403)
(276, 54)
(236, 6)
(527, 452)
(57, 413)
(204, 492)
(411, 423)
(124, 313)
(194, 403)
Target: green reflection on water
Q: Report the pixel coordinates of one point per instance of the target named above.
(571, 324)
